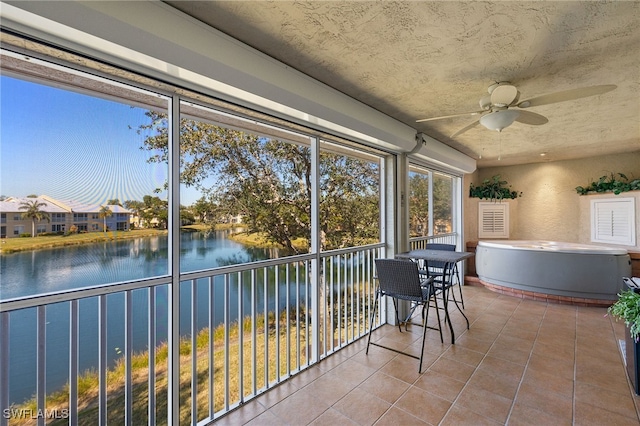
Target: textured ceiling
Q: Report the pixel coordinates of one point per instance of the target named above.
(419, 59)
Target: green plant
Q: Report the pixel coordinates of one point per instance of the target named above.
(611, 184)
(627, 308)
(493, 189)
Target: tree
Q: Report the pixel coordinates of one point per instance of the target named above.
(34, 212)
(186, 216)
(442, 204)
(136, 207)
(155, 212)
(206, 210)
(114, 202)
(104, 213)
(268, 181)
(418, 204)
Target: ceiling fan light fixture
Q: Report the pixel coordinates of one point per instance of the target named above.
(499, 120)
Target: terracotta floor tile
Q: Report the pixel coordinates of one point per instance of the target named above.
(464, 355)
(384, 387)
(509, 353)
(589, 415)
(476, 342)
(549, 381)
(333, 417)
(402, 367)
(461, 416)
(352, 373)
(564, 352)
(523, 415)
(266, 419)
(602, 398)
(554, 366)
(500, 384)
(452, 368)
(248, 412)
(277, 394)
(376, 358)
(554, 404)
(327, 389)
(423, 405)
(523, 362)
(497, 366)
(440, 385)
(362, 407)
(306, 377)
(395, 416)
(528, 335)
(517, 342)
(485, 403)
(300, 408)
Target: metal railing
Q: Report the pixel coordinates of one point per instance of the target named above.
(416, 243)
(243, 329)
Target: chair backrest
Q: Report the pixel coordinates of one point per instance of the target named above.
(399, 278)
(439, 246)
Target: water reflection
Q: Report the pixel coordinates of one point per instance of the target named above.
(42, 271)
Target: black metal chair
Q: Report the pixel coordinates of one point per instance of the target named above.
(436, 270)
(401, 280)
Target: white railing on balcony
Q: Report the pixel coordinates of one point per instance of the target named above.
(416, 243)
(244, 329)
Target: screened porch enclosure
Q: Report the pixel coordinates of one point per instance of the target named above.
(187, 324)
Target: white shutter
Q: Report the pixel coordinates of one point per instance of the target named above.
(613, 221)
(493, 220)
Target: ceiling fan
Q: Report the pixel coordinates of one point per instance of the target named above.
(502, 106)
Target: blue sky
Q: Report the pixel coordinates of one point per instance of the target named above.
(73, 147)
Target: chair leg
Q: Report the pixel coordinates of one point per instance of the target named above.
(395, 307)
(457, 274)
(435, 302)
(373, 315)
(424, 333)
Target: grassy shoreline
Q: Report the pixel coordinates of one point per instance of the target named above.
(15, 245)
(88, 382)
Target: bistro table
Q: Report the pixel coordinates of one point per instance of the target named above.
(449, 259)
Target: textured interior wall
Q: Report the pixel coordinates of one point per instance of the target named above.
(550, 208)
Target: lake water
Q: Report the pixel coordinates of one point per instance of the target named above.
(44, 271)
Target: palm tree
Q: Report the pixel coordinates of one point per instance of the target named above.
(104, 213)
(34, 213)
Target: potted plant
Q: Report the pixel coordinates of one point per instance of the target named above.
(493, 189)
(627, 308)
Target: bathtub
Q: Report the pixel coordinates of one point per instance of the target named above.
(566, 270)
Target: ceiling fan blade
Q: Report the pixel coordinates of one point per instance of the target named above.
(566, 95)
(464, 129)
(528, 117)
(449, 116)
(504, 95)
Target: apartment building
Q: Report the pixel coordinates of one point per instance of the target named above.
(63, 215)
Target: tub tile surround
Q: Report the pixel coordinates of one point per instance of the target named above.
(523, 361)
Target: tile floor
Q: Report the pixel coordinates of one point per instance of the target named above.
(522, 362)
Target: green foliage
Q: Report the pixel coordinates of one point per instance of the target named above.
(268, 182)
(611, 183)
(33, 211)
(493, 189)
(627, 308)
(419, 202)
